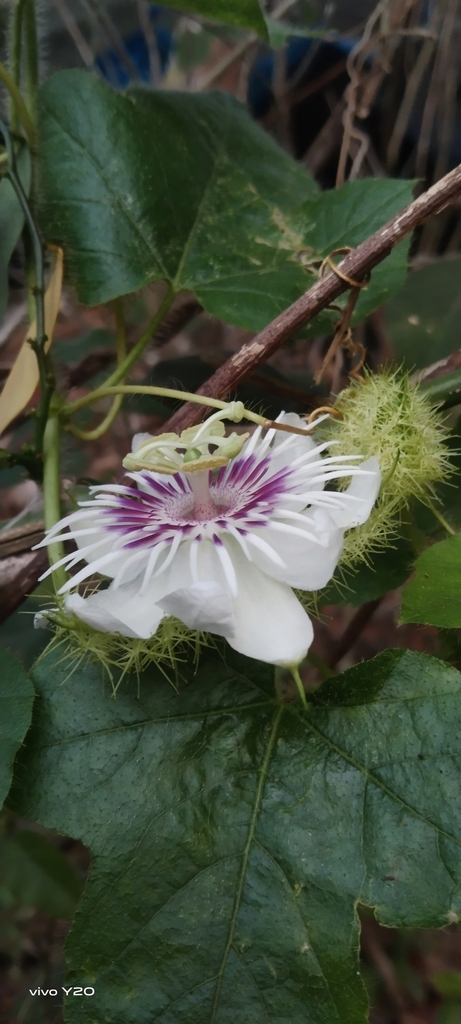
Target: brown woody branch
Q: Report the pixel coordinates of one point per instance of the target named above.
(356, 265)
(12, 594)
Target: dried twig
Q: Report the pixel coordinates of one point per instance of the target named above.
(409, 98)
(355, 105)
(356, 265)
(380, 39)
(352, 632)
(435, 94)
(151, 40)
(75, 33)
(326, 142)
(208, 80)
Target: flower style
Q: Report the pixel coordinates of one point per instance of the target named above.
(221, 552)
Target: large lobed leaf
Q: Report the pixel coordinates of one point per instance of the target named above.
(187, 188)
(16, 698)
(233, 837)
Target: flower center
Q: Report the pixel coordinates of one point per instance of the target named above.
(204, 507)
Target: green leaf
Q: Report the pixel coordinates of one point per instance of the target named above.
(245, 13)
(345, 217)
(232, 837)
(434, 596)
(185, 187)
(16, 698)
(423, 319)
(36, 874)
(11, 221)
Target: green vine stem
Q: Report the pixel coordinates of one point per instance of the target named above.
(19, 106)
(137, 350)
(16, 56)
(182, 396)
(52, 494)
(106, 423)
(142, 389)
(25, 23)
(31, 85)
(45, 366)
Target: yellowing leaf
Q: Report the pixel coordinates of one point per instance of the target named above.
(24, 376)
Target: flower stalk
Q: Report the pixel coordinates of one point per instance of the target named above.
(302, 693)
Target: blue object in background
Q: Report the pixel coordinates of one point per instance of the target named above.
(111, 66)
(260, 96)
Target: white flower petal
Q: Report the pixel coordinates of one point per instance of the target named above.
(365, 490)
(270, 623)
(203, 605)
(194, 587)
(286, 448)
(110, 542)
(307, 564)
(179, 574)
(139, 440)
(117, 611)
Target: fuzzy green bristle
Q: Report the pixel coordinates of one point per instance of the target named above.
(383, 415)
(120, 655)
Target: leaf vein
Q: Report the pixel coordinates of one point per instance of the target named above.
(246, 854)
